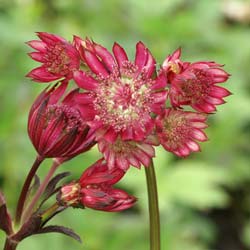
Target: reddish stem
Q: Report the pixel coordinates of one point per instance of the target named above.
(28, 211)
(26, 185)
(10, 244)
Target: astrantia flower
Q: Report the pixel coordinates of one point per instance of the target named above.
(122, 154)
(180, 131)
(58, 57)
(121, 94)
(56, 127)
(194, 84)
(95, 190)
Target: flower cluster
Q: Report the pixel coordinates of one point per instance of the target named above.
(126, 107)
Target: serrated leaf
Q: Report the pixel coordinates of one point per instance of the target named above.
(60, 229)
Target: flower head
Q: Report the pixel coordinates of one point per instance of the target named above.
(121, 94)
(95, 190)
(179, 131)
(122, 154)
(194, 84)
(58, 57)
(56, 127)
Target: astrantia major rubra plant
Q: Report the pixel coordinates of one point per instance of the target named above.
(126, 107)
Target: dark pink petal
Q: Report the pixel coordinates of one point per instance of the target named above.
(38, 45)
(219, 75)
(71, 98)
(122, 163)
(183, 151)
(37, 56)
(176, 55)
(193, 146)
(111, 159)
(219, 92)
(134, 162)
(105, 56)
(198, 134)
(143, 157)
(204, 107)
(141, 56)
(196, 117)
(84, 98)
(160, 97)
(102, 146)
(87, 113)
(77, 42)
(150, 65)
(110, 135)
(171, 58)
(40, 74)
(127, 134)
(146, 148)
(160, 82)
(120, 54)
(50, 38)
(84, 81)
(200, 125)
(58, 91)
(95, 65)
(214, 100)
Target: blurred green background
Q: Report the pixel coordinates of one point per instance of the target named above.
(204, 199)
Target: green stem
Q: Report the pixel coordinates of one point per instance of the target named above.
(154, 215)
(29, 210)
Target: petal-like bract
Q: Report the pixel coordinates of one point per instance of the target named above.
(58, 57)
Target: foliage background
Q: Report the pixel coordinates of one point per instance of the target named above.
(205, 199)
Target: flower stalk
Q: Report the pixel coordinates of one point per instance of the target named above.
(29, 209)
(10, 244)
(154, 215)
(26, 185)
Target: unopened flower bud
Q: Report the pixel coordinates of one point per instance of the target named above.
(57, 128)
(95, 190)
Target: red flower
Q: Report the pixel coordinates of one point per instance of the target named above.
(122, 154)
(122, 94)
(179, 131)
(58, 57)
(56, 127)
(194, 84)
(95, 190)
